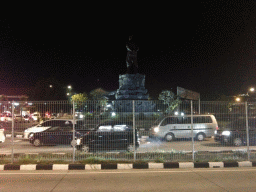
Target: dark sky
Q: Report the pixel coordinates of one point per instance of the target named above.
(208, 47)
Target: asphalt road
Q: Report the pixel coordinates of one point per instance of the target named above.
(226, 179)
(24, 146)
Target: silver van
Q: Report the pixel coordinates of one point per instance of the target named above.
(173, 127)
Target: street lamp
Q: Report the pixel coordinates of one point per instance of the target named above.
(251, 90)
(238, 99)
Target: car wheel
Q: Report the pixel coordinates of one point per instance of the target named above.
(130, 148)
(200, 136)
(85, 148)
(37, 142)
(169, 137)
(237, 142)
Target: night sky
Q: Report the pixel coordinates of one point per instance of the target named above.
(208, 47)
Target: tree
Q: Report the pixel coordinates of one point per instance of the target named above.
(79, 99)
(169, 99)
(99, 95)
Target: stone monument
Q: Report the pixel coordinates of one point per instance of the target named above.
(131, 84)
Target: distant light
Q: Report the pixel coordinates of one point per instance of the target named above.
(176, 113)
(67, 93)
(69, 87)
(108, 105)
(16, 104)
(252, 89)
(50, 86)
(182, 114)
(238, 99)
(113, 114)
(30, 103)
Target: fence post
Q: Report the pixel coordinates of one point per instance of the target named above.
(192, 133)
(247, 131)
(134, 134)
(73, 131)
(12, 131)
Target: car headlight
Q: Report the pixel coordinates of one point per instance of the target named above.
(215, 132)
(226, 133)
(31, 135)
(156, 129)
(78, 142)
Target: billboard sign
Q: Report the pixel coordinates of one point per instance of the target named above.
(187, 94)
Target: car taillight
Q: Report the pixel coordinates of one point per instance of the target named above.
(217, 128)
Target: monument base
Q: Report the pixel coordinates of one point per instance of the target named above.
(131, 87)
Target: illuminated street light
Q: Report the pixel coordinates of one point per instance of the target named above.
(69, 87)
(50, 86)
(238, 99)
(252, 89)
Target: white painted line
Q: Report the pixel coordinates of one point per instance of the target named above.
(155, 165)
(60, 167)
(245, 164)
(124, 166)
(8, 135)
(31, 153)
(59, 153)
(216, 164)
(19, 136)
(186, 165)
(1, 167)
(93, 166)
(31, 167)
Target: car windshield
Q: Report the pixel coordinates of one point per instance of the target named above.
(157, 122)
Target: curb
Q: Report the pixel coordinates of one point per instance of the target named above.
(104, 166)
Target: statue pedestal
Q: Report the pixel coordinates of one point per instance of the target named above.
(131, 87)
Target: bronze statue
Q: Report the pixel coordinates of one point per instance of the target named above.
(131, 59)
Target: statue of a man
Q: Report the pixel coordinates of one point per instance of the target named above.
(131, 59)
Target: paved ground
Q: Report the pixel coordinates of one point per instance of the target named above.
(23, 146)
(229, 179)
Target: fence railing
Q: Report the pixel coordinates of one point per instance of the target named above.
(127, 130)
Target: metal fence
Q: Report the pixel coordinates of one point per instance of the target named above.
(127, 130)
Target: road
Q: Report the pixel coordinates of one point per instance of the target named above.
(23, 146)
(226, 179)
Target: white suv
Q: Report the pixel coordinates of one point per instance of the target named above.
(46, 125)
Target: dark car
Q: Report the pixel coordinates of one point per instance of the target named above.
(54, 136)
(235, 133)
(109, 135)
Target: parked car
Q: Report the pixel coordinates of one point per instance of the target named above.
(235, 133)
(35, 116)
(173, 127)
(109, 135)
(6, 117)
(54, 136)
(19, 118)
(2, 136)
(52, 123)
